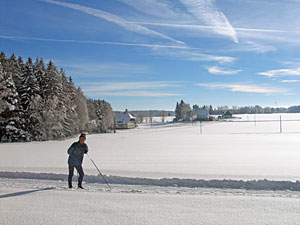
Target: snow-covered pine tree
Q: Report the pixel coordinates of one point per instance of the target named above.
(91, 109)
(15, 69)
(52, 111)
(71, 121)
(82, 110)
(183, 111)
(93, 119)
(107, 122)
(177, 112)
(29, 86)
(29, 91)
(75, 107)
(66, 102)
(105, 115)
(3, 60)
(39, 73)
(38, 103)
(52, 85)
(11, 124)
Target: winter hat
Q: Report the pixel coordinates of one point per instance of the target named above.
(82, 135)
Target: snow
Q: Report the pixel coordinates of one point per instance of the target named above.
(225, 150)
(248, 148)
(25, 202)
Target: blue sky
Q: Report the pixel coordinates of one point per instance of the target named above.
(150, 54)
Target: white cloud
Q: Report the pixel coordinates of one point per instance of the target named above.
(156, 8)
(251, 46)
(176, 51)
(114, 19)
(290, 81)
(206, 11)
(207, 27)
(281, 72)
(133, 94)
(117, 86)
(261, 89)
(153, 46)
(111, 70)
(195, 55)
(139, 89)
(220, 71)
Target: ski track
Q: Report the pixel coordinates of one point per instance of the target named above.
(24, 202)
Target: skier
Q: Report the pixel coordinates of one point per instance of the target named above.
(76, 152)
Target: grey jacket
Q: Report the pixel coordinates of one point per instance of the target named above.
(76, 152)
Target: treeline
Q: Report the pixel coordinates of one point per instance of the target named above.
(254, 110)
(184, 112)
(38, 102)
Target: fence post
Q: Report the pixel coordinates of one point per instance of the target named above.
(280, 125)
(200, 127)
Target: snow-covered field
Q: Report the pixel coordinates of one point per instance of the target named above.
(248, 148)
(231, 150)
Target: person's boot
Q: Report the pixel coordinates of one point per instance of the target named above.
(80, 186)
(70, 186)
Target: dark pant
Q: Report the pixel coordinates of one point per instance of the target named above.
(71, 173)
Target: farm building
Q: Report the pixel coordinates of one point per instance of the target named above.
(124, 120)
(227, 115)
(202, 114)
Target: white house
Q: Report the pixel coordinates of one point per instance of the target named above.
(202, 114)
(124, 120)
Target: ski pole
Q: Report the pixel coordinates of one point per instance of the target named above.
(99, 171)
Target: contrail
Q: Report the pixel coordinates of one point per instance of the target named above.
(206, 11)
(96, 42)
(114, 19)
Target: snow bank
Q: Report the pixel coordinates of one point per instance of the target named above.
(174, 182)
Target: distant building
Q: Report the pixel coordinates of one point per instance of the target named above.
(124, 120)
(202, 114)
(227, 115)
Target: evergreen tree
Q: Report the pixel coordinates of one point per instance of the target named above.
(11, 128)
(40, 73)
(66, 107)
(53, 112)
(183, 111)
(104, 114)
(3, 60)
(81, 110)
(40, 103)
(29, 86)
(15, 69)
(211, 110)
(177, 112)
(72, 116)
(107, 121)
(51, 84)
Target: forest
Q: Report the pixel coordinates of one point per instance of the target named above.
(38, 102)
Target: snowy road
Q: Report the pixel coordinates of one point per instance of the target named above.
(24, 202)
